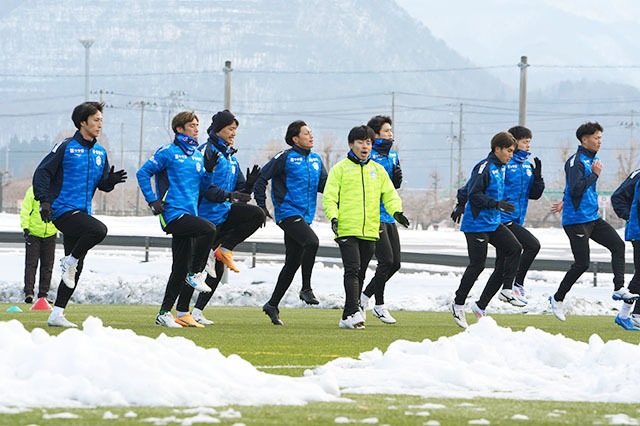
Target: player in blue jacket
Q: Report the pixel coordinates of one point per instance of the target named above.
(624, 201)
(296, 175)
(234, 219)
(181, 173)
(581, 221)
(522, 182)
(64, 183)
(482, 226)
(388, 246)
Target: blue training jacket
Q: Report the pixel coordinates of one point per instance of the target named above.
(297, 175)
(387, 158)
(520, 186)
(624, 201)
(484, 189)
(227, 176)
(70, 174)
(180, 178)
(580, 194)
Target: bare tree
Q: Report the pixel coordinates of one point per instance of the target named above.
(627, 160)
(329, 151)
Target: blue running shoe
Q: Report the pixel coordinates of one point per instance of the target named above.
(624, 294)
(626, 323)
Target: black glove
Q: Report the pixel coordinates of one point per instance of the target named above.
(396, 176)
(266, 214)
(45, 211)
(115, 178)
(157, 207)
(238, 197)
(537, 170)
(505, 206)
(210, 160)
(457, 212)
(334, 226)
(252, 178)
(401, 219)
(25, 234)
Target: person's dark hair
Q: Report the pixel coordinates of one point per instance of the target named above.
(378, 121)
(502, 140)
(588, 129)
(85, 110)
(361, 133)
(182, 118)
(520, 132)
(293, 130)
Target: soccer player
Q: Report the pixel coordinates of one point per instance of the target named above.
(388, 246)
(581, 221)
(625, 203)
(234, 219)
(64, 183)
(181, 173)
(482, 226)
(351, 202)
(296, 175)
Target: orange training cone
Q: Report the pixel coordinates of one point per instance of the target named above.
(41, 305)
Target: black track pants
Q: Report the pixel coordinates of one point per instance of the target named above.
(301, 246)
(388, 256)
(356, 254)
(602, 233)
(38, 250)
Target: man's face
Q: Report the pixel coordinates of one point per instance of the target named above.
(505, 154)
(91, 128)
(592, 142)
(524, 144)
(190, 129)
(228, 133)
(304, 139)
(361, 148)
(385, 131)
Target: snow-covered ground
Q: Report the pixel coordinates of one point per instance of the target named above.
(92, 366)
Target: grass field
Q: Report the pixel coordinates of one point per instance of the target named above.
(311, 337)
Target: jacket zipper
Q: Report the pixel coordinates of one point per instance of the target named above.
(86, 198)
(306, 212)
(364, 208)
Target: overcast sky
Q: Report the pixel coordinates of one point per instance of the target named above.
(560, 32)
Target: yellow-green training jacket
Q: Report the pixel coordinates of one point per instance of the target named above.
(353, 193)
(30, 217)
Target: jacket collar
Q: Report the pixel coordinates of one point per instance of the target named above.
(221, 146)
(351, 156)
(383, 146)
(492, 158)
(585, 151)
(301, 151)
(82, 141)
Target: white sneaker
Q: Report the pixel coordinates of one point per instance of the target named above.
(557, 308)
(506, 295)
(197, 282)
(354, 321)
(383, 314)
(458, 314)
(167, 320)
(68, 273)
(518, 291)
(624, 294)
(60, 321)
(635, 320)
(198, 316)
(479, 313)
(210, 268)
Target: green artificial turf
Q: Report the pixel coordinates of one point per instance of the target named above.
(311, 337)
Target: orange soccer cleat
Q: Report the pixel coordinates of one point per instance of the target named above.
(188, 321)
(226, 257)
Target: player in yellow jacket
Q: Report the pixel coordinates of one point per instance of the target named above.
(351, 202)
(40, 246)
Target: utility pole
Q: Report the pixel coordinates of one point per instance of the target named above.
(141, 104)
(227, 84)
(87, 43)
(452, 140)
(522, 110)
(122, 166)
(460, 150)
(393, 110)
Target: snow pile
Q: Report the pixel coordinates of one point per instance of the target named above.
(491, 361)
(102, 366)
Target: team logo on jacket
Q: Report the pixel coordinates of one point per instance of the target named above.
(528, 172)
(198, 167)
(316, 166)
(373, 174)
(98, 160)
